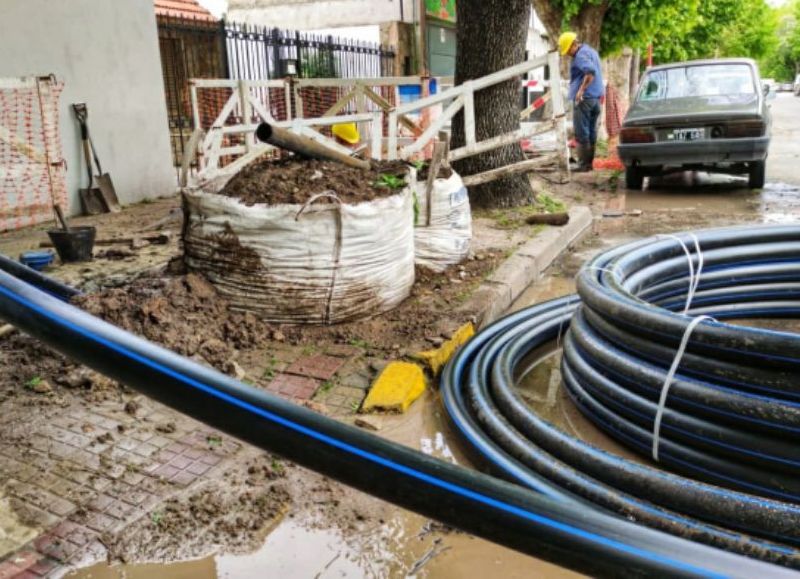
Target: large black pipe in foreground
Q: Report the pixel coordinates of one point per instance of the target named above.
(567, 532)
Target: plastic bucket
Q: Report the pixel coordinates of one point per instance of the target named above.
(75, 244)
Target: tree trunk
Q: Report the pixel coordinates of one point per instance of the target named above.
(552, 17)
(587, 24)
(491, 36)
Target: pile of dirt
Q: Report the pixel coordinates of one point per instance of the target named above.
(294, 180)
(421, 321)
(182, 313)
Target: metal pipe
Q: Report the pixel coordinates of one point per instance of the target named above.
(284, 139)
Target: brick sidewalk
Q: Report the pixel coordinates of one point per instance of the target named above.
(86, 472)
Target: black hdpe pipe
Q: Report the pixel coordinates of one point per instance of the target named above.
(725, 431)
(564, 531)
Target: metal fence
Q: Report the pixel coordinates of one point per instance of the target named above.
(201, 49)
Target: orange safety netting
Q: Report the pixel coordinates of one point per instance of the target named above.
(30, 140)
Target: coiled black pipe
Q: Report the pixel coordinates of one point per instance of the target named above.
(727, 415)
(565, 531)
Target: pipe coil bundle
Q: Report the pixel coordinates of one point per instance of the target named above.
(651, 358)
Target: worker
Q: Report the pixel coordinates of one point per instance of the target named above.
(586, 88)
(346, 134)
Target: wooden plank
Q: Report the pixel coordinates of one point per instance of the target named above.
(377, 81)
(508, 170)
(189, 155)
(439, 154)
(391, 145)
(387, 106)
(341, 103)
(535, 105)
(500, 141)
(469, 113)
(434, 128)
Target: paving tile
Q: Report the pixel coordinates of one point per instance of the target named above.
(166, 471)
(198, 468)
(211, 459)
(181, 462)
(99, 522)
(184, 478)
(317, 366)
(119, 509)
(293, 386)
(8, 570)
(24, 559)
(146, 449)
(43, 566)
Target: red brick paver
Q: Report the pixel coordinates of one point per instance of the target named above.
(288, 386)
(318, 366)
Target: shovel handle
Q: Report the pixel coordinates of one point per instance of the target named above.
(60, 215)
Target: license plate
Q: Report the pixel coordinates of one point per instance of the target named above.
(687, 134)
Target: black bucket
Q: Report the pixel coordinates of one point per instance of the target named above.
(75, 244)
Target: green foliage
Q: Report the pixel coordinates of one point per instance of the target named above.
(317, 65)
(550, 204)
(725, 28)
(33, 382)
(784, 63)
(391, 181)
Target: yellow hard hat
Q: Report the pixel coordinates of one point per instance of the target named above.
(347, 132)
(565, 42)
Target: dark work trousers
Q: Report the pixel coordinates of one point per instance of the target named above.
(584, 118)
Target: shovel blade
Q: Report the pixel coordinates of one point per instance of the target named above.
(108, 194)
(92, 201)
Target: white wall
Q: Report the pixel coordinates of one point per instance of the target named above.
(319, 14)
(106, 52)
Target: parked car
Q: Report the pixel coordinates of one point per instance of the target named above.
(704, 115)
(785, 87)
(797, 85)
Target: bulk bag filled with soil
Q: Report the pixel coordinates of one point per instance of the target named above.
(300, 241)
(442, 236)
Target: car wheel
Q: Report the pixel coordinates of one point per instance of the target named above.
(757, 174)
(634, 179)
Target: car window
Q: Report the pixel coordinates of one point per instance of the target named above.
(710, 80)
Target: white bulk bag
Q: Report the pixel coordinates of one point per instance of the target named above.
(321, 263)
(444, 240)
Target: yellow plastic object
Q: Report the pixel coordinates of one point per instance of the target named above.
(347, 132)
(396, 388)
(436, 359)
(565, 41)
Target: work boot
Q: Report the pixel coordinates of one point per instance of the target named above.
(583, 159)
(590, 156)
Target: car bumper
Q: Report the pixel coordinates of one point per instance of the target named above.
(700, 153)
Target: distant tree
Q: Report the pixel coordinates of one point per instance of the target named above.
(491, 36)
(610, 25)
(722, 28)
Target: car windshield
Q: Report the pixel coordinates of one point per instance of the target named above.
(708, 80)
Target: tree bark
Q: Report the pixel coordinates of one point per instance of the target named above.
(491, 36)
(587, 24)
(551, 16)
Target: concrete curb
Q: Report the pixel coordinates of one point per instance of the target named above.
(524, 267)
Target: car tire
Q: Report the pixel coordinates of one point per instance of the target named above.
(634, 179)
(757, 175)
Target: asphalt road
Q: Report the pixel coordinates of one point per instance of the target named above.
(783, 164)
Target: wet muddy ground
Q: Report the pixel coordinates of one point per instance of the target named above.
(308, 526)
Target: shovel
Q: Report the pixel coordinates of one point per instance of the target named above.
(103, 197)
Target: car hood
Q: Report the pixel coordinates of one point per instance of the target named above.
(694, 108)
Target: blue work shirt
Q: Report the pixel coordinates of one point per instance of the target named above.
(586, 61)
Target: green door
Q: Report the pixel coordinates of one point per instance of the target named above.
(441, 43)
